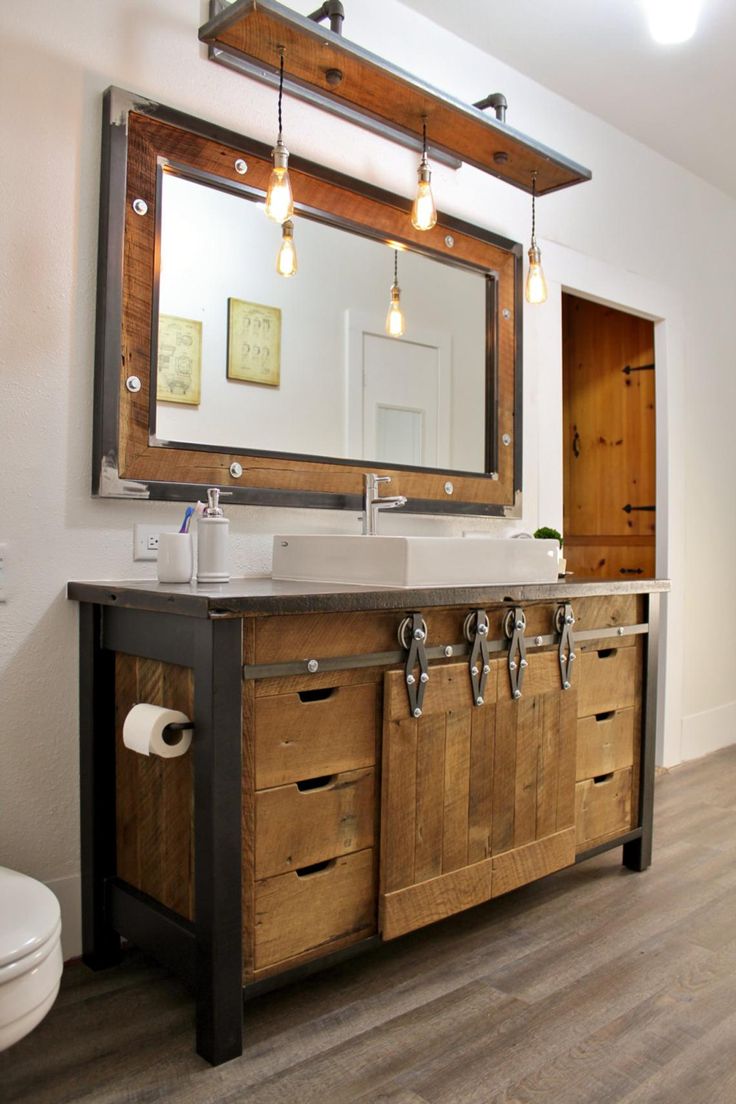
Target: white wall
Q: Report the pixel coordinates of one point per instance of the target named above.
(643, 226)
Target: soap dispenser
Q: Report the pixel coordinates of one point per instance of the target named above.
(212, 541)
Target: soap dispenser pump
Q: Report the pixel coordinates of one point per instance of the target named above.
(212, 541)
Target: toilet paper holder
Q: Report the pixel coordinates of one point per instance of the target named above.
(171, 732)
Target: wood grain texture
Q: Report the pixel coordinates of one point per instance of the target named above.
(407, 909)
(154, 798)
(603, 808)
(297, 740)
(605, 743)
(402, 101)
(609, 458)
(607, 680)
(296, 828)
(593, 986)
(294, 914)
(533, 860)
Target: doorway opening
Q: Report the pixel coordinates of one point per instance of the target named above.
(609, 448)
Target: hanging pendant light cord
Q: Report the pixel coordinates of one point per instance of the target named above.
(424, 140)
(281, 91)
(534, 209)
(396, 268)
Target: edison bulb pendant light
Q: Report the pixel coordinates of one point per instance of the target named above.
(424, 212)
(395, 319)
(536, 284)
(286, 262)
(279, 197)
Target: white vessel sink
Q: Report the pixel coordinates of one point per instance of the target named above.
(413, 561)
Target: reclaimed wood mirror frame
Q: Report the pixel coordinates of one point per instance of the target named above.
(139, 137)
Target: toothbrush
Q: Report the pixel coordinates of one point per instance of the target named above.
(187, 518)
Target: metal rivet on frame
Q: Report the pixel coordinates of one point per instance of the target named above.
(140, 206)
(236, 469)
(449, 487)
(506, 439)
(449, 241)
(506, 313)
(240, 166)
(133, 384)
(313, 666)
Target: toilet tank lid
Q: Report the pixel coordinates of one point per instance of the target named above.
(29, 912)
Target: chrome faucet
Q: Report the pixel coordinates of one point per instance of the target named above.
(373, 502)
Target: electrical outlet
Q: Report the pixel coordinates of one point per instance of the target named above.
(145, 540)
(3, 573)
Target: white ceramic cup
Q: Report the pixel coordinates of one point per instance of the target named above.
(175, 558)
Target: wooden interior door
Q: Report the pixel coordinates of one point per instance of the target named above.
(609, 452)
(476, 800)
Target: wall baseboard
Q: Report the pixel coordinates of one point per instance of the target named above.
(69, 892)
(708, 731)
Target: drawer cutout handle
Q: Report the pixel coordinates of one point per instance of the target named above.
(607, 653)
(320, 783)
(601, 778)
(607, 716)
(321, 694)
(315, 868)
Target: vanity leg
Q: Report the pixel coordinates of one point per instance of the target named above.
(217, 838)
(100, 942)
(638, 853)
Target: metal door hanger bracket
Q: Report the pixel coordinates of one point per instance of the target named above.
(564, 621)
(476, 629)
(514, 627)
(413, 637)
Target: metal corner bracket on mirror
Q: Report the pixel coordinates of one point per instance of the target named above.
(286, 391)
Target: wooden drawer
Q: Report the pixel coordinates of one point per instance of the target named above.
(603, 808)
(311, 733)
(306, 823)
(608, 679)
(315, 911)
(605, 743)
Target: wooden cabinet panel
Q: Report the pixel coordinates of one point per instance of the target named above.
(154, 797)
(605, 743)
(524, 864)
(609, 679)
(298, 736)
(603, 808)
(464, 783)
(314, 911)
(297, 827)
(534, 767)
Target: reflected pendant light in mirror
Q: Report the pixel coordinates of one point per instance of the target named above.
(536, 284)
(279, 198)
(424, 212)
(395, 319)
(286, 263)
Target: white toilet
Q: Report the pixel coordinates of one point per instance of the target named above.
(30, 954)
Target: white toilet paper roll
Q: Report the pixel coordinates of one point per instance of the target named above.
(143, 731)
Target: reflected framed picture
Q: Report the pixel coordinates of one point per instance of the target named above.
(179, 365)
(253, 343)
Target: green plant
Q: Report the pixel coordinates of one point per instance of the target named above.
(545, 533)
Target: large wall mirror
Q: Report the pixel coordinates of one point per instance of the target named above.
(213, 369)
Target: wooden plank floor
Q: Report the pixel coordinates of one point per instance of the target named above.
(595, 986)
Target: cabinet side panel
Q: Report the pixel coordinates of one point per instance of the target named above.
(154, 796)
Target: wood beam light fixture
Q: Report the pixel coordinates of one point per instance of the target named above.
(325, 69)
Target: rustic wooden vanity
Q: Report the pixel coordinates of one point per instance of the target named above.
(363, 762)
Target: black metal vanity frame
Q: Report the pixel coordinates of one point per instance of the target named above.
(204, 632)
